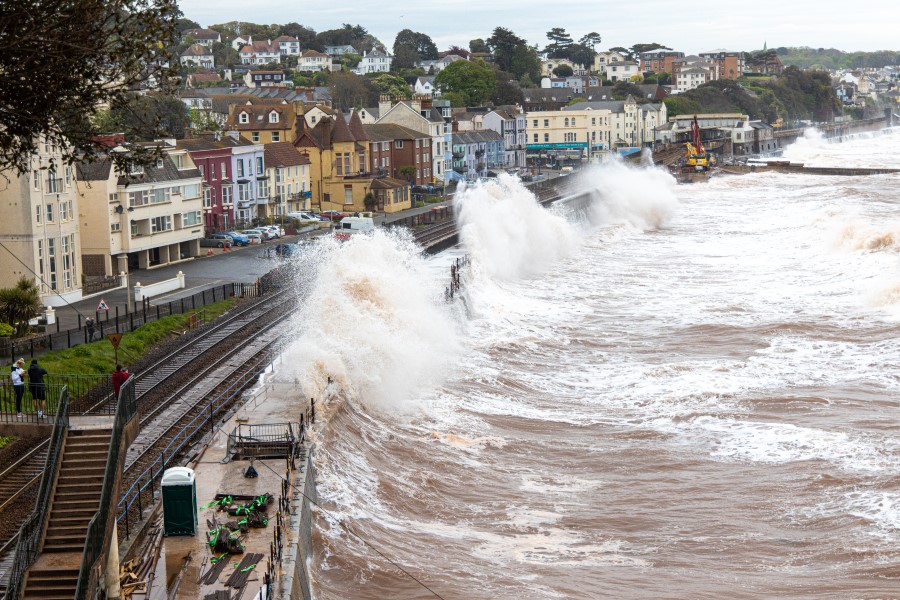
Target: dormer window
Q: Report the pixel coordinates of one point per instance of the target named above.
(135, 169)
(273, 117)
(244, 118)
(159, 164)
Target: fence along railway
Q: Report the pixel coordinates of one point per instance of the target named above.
(161, 412)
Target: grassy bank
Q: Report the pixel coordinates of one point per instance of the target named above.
(98, 357)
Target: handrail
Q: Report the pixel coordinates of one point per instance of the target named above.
(32, 531)
(99, 528)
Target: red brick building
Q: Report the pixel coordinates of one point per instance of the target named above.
(395, 151)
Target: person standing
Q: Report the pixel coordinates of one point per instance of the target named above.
(18, 381)
(89, 324)
(36, 385)
(119, 377)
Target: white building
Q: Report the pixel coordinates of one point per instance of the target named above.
(425, 85)
(375, 61)
(198, 55)
(262, 52)
(314, 61)
(287, 45)
(510, 123)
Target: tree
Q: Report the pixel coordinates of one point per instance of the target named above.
(405, 57)
(512, 54)
(623, 51)
(507, 91)
(591, 39)
(63, 60)
(559, 43)
(563, 71)
(622, 89)
(202, 120)
(150, 117)
(476, 80)
(20, 304)
(181, 24)
(224, 54)
(369, 201)
(389, 84)
(583, 55)
(457, 51)
(415, 44)
(408, 172)
(478, 45)
(303, 34)
(525, 64)
(639, 49)
(349, 90)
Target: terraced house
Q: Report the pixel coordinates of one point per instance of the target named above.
(288, 179)
(263, 123)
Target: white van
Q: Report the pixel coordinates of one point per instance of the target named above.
(356, 225)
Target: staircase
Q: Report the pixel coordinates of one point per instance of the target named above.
(76, 500)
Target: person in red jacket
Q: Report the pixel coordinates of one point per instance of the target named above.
(119, 377)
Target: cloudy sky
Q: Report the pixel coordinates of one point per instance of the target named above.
(706, 26)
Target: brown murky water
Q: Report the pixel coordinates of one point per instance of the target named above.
(684, 392)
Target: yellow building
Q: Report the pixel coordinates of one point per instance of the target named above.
(262, 123)
(288, 178)
(339, 168)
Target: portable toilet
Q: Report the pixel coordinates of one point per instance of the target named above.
(179, 496)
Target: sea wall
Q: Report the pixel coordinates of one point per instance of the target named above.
(296, 583)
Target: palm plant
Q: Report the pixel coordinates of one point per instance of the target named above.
(20, 304)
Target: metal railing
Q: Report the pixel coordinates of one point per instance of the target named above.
(100, 527)
(32, 530)
(265, 440)
(132, 500)
(99, 285)
(114, 322)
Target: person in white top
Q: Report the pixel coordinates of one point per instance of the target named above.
(18, 381)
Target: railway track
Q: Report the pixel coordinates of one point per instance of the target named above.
(16, 481)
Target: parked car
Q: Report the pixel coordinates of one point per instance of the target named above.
(254, 236)
(264, 233)
(276, 229)
(238, 239)
(334, 215)
(216, 240)
(286, 250)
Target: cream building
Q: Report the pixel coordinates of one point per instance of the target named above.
(626, 121)
(571, 134)
(146, 218)
(288, 176)
(39, 230)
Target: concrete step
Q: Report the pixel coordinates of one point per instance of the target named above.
(69, 546)
(77, 493)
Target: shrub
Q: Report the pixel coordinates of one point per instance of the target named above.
(6, 330)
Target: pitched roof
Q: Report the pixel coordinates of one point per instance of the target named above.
(356, 126)
(476, 137)
(342, 131)
(285, 38)
(158, 174)
(615, 106)
(284, 154)
(93, 171)
(261, 46)
(388, 183)
(258, 116)
(313, 53)
(388, 132)
(197, 50)
(209, 142)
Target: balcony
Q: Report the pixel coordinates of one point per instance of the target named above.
(459, 155)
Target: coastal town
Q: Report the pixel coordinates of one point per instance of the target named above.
(160, 239)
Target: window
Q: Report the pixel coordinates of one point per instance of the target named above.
(49, 213)
(240, 167)
(567, 122)
(189, 219)
(226, 195)
(276, 136)
(207, 198)
(417, 143)
(36, 180)
(255, 136)
(52, 183)
(244, 118)
(189, 191)
(202, 171)
(243, 192)
(159, 224)
(51, 254)
(398, 144)
(535, 123)
(134, 229)
(178, 159)
(385, 146)
(40, 246)
(262, 189)
(573, 121)
(546, 137)
(63, 211)
(348, 194)
(135, 169)
(259, 165)
(115, 227)
(273, 117)
(37, 213)
(546, 122)
(535, 138)
(222, 170)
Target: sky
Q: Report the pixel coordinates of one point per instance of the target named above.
(700, 27)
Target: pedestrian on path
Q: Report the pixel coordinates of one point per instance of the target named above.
(18, 381)
(36, 385)
(119, 377)
(89, 324)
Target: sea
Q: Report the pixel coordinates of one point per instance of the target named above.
(658, 391)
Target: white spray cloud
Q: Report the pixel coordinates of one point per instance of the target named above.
(374, 321)
(643, 197)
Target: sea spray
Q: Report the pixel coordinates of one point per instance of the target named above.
(508, 234)
(374, 321)
(640, 197)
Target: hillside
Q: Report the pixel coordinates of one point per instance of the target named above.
(831, 58)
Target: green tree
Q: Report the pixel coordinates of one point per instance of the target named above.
(150, 117)
(583, 55)
(390, 84)
(563, 71)
(457, 51)
(478, 45)
(303, 34)
(411, 46)
(512, 54)
(623, 51)
(591, 39)
(476, 80)
(507, 90)
(62, 61)
(639, 49)
(349, 90)
(20, 304)
(408, 172)
(181, 24)
(559, 43)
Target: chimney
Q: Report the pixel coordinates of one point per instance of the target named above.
(384, 104)
(235, 135)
